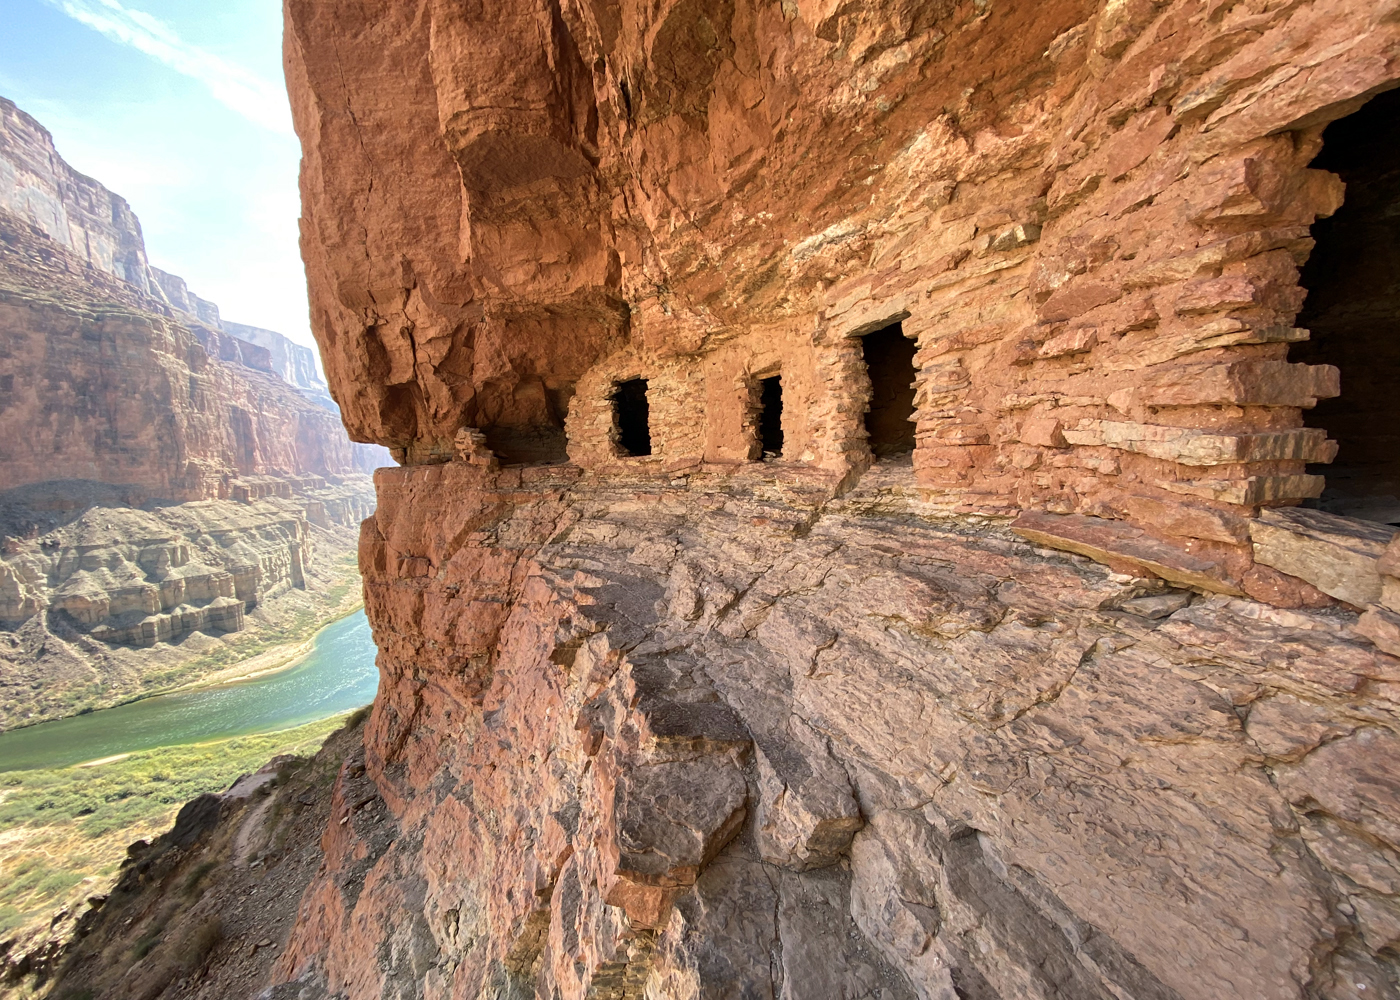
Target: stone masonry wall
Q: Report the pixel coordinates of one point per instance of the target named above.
(1090, 218)
(1075, 702)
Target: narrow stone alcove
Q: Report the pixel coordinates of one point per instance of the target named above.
(770, 417)
(1353, 311)
(889, 363)
(524, 423)
(632, 416)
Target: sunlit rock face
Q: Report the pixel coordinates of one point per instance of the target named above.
(102, 383)
(74, 210)
(1061, 697)
(103, 349)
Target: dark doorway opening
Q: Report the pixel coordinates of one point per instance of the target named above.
(770, 417)
(889, 360)
(633, 415)
(1353, 311)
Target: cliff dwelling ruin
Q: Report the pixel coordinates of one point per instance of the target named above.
(770, 417)
(632, 417)
(889, 416)
(936, 584)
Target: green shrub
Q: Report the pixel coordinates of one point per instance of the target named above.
(145, 943)
(192, 882)
(110, 805)
(10, 918)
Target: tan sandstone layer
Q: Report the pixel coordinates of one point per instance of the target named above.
(102, 602)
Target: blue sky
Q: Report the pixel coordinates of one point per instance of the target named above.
(180, 107)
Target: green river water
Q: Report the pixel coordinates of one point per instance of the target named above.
(337, 675)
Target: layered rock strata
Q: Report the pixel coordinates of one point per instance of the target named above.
(101, 601)
(72, 209)
(736, 738)
(1088, 217)
(100, 383)
(1072, 701)
(99, 228)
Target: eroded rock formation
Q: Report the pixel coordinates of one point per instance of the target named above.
(97, 235)
(164, 483)
(101, 601)
(1073, 700)
(72, 209)
(735, 738)
(96, 383)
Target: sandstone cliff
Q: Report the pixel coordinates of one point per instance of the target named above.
(296, 364)
(99, 229)
(74, 210)
(1066, 697)
(98, 382)
(168, 499)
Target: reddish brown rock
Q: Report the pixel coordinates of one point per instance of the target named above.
(1015, 745)
(1072, 232)
(100, 383)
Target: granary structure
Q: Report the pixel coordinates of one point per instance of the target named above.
(709, 672)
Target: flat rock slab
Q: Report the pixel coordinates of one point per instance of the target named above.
(1117, 542)
(1338, 555)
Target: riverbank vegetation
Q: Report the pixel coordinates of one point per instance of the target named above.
(64, 832)
(53, 673)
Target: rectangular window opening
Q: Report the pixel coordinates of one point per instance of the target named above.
(770, 418)
(633, 416)
(889, 361)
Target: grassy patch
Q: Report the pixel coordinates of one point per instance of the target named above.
(63, 833)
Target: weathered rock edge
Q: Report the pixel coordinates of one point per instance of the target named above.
(738, 738)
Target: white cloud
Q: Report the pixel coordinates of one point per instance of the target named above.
(259, 100)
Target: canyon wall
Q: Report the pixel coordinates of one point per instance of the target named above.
(1073, 699)
(296, 364)
(102, 601)
(74, 210)
(168, 497)
(96, 383)
(99, 227)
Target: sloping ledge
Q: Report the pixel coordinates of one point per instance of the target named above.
(1340, 556)
(1120, 544)
(1354, 561)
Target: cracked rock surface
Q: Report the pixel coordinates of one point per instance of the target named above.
(739, 738)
